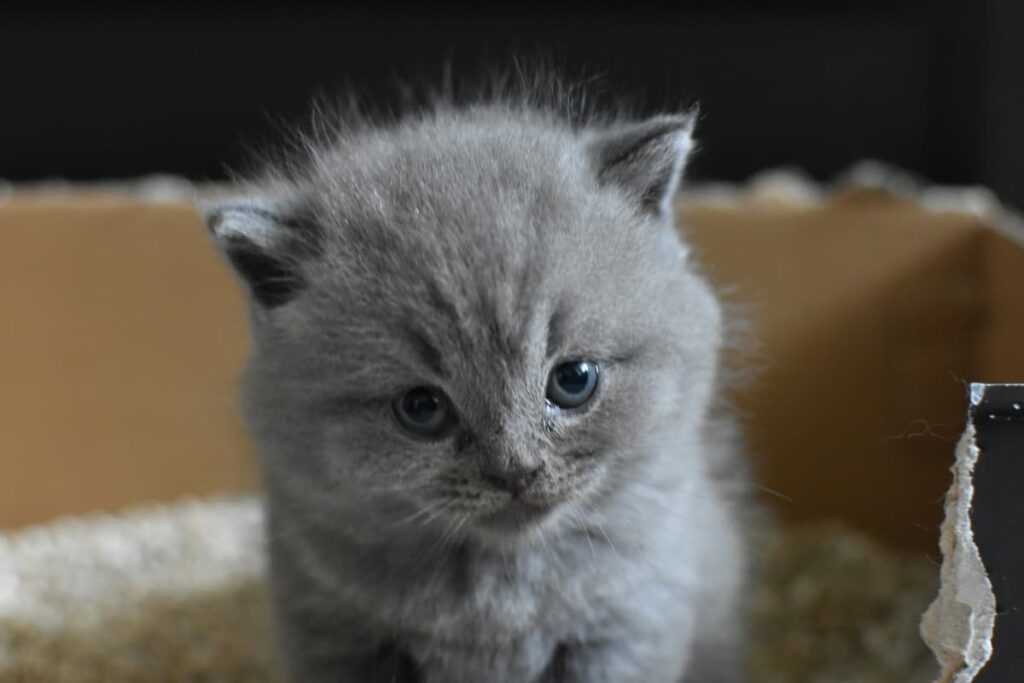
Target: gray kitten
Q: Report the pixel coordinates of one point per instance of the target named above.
(481, 378)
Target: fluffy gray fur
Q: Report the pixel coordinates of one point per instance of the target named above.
(473, 249)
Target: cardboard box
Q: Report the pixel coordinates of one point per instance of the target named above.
(872, 304)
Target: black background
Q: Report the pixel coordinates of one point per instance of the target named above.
(997, 518)
(936, 87)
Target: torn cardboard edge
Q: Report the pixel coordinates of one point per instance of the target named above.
(996, 517)
(982, 557)
(789, 186)
(959, 624)
(155, 188)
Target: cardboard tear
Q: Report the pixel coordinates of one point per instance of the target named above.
(959, 624)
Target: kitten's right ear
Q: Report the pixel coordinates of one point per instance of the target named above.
(262, 240)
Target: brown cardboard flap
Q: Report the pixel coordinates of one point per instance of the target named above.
(872, 311)
(121, 340)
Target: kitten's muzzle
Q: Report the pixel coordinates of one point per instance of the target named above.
(515, 481)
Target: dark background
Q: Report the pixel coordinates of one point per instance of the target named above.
(935, 87)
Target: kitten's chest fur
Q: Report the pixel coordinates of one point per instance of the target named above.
(464, 609)
(464, 593)
(504, 595)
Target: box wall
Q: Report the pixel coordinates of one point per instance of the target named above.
(122, 338)
(125, 336)
(867, 312)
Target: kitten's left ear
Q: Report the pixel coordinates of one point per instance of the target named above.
(646, 159)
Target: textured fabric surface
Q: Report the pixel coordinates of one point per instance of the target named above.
(175, 593)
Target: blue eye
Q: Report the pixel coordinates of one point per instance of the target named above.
(424, 411)
(571, 384)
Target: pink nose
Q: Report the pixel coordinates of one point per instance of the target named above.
(514, 481)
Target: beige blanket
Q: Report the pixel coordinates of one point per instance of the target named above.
(175, 593)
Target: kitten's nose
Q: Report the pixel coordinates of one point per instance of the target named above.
(515, 481)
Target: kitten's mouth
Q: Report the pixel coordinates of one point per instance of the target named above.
(516, 514)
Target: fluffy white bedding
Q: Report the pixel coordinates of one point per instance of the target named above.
(176, 593)
(165, 593)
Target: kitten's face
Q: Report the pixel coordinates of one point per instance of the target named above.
(490, 333)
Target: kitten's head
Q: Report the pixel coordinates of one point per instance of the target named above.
(482, 316)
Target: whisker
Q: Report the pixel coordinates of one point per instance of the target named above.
(427, 513)
(608, 540)
(575, 511)
(779, 494)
